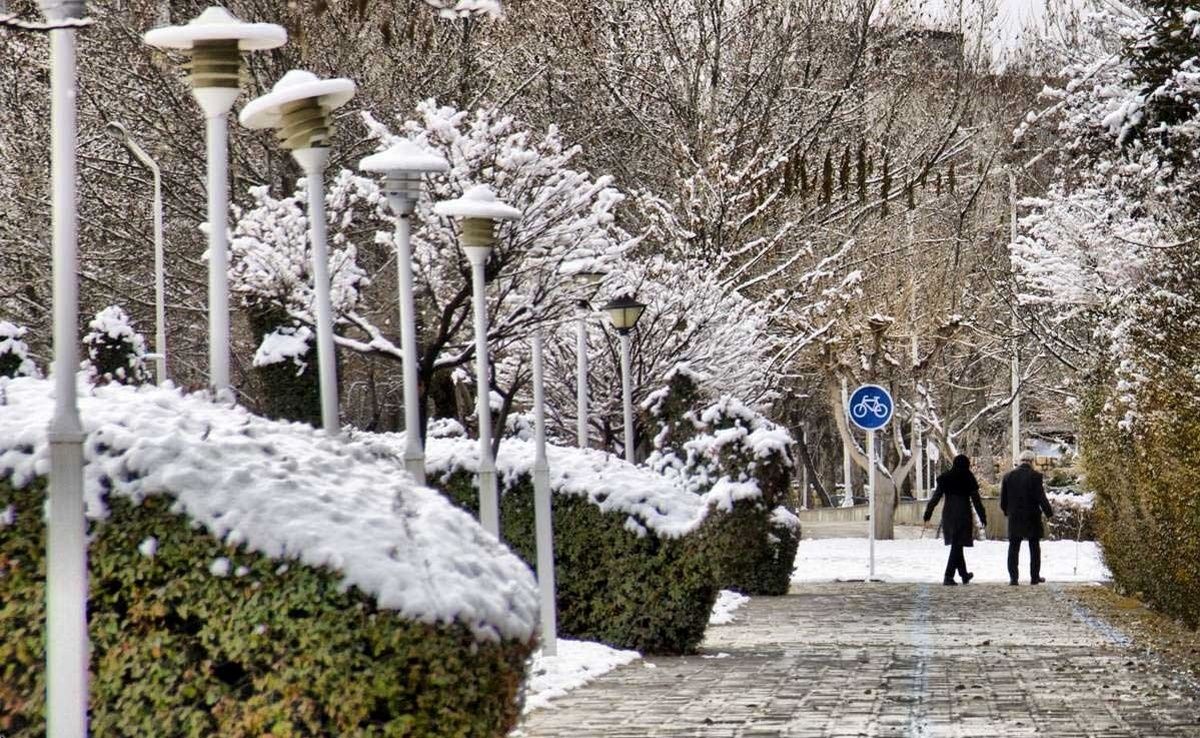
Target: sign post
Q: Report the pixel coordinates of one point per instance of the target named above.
(870, 408)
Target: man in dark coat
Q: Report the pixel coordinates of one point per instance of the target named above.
(1023, 500)
(961, 490)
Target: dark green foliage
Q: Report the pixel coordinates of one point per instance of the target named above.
(744, 559)
(287, 391)
(278, 651)
(803, 176)
(885, 185)
(646, 593)
(950, 178)
(1154, 61)
(749, 552)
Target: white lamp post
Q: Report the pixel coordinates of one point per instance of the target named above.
(120, 134)
(299, 106)
(480, 211)
(543, 523)
(215, 40)
(624, 312)
(589, 281)
(66, 537)
(403, 166)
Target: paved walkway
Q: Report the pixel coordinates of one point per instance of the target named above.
(883, 660)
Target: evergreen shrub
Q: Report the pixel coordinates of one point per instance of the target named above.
(741, 464)
(185, 645)
(616, 584)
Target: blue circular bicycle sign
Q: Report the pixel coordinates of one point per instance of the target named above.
(870, 407)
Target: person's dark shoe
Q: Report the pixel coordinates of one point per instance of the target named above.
(968, 577)
(1013, 583)
(1039, 580)
(949, 583)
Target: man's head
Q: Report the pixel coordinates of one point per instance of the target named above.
(1027, 457)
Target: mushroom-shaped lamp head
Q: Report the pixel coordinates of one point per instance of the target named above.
(403, 164)
(479, 209)
(299, 105)
(214, 40)
(624, 312)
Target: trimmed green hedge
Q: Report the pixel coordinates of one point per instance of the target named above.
(266, 650)
(751, 552)
(633, 591)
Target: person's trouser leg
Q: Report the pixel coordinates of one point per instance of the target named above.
(1014, 557)
(962, 563)
(1035, 559)
(952, 561)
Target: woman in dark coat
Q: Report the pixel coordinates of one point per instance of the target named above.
(961, 490)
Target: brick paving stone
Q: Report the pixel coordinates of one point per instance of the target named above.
(892, 661)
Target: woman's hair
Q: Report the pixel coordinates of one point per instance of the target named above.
(962, 463)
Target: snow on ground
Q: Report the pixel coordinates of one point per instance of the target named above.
(924, 560)
(576, 664)
(727, 603)
(284, 490)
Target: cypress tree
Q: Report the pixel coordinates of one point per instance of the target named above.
(951, 178)
(844, 172)
(861, 171)
(885, 185)
(803, 176)
(827, 178)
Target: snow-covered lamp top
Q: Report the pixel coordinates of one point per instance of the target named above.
(217, 24)
(624, 312)
(267, 111)
(478, 202)
(404, 157)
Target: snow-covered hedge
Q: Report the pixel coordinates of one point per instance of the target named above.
(1073, 516)
(250, 577)
(115, 351)
(739, 465)
(285, 366)
(628, 570)
(14, 352)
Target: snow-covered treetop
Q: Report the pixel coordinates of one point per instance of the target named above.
(286, 491)
(451, 9)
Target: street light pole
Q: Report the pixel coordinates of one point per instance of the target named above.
(479, 210)
(624, 312)
(299, 105)
(589, 280)
(66, 537)
(403, 165)
(215, 40)
(543, 522)
(121, 134)
(847, 493)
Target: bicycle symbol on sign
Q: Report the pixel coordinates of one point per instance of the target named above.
(870, 404)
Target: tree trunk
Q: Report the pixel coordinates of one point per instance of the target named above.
(806, 460)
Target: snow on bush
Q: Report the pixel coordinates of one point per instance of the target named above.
(608, 482)
(14, 352)
(286, 343)
(453, 9)
(285, 491)
(115, 351)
